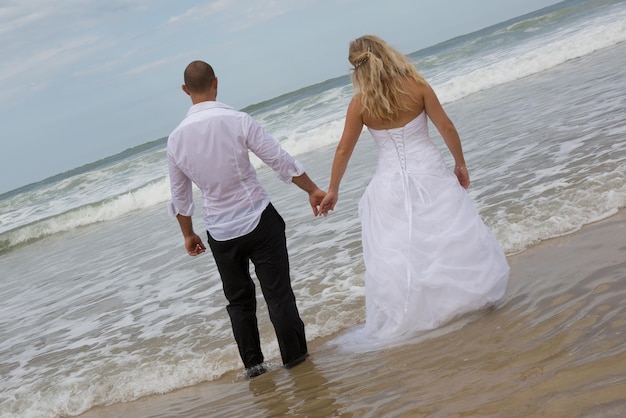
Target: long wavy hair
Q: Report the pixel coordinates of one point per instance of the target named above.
(378, 73)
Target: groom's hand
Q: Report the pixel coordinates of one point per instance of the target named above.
(315, 199)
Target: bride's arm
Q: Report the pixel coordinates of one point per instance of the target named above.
(448, 131)
(351, 131)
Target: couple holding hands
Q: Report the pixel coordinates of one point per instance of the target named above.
(428, 255)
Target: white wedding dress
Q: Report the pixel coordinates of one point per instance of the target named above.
(428, 255)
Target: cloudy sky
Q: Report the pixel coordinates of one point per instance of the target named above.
(84, 79)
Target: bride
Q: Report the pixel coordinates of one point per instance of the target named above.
(428, 255)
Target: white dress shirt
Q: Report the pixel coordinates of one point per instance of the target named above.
(210, 148)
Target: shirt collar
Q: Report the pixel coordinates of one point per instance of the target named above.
(211, 104)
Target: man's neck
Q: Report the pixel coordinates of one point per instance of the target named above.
(195, 99)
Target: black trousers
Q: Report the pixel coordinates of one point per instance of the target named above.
(266, 247)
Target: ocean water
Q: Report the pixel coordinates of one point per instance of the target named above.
(100, 303)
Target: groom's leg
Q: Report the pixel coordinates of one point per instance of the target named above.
(232, 262)
(270, 258)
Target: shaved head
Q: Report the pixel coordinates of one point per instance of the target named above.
(199, 77)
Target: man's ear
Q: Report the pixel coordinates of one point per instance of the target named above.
(186, 90)
(214, 88)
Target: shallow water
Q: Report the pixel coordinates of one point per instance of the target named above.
(555, 347)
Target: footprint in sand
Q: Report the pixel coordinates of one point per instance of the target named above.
(532, 372)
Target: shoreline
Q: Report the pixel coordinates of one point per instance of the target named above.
(554, 349)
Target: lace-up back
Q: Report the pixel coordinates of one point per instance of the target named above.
(407, 148)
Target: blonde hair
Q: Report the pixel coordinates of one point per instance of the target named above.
(379, 71)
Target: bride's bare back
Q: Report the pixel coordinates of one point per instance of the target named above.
(413, 101)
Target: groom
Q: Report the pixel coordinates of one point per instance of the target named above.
(210, 149)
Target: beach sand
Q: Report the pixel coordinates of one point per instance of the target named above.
(555, 347)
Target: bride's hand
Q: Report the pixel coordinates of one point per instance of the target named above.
(328, 203)
(462, 175)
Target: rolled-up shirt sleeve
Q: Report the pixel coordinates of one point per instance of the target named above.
(267, 148)
(181, 190)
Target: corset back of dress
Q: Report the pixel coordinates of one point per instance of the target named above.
(408, 148)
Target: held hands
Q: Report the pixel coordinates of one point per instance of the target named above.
(315, 199)
(328, 203)
(462, 175)
(194, 245)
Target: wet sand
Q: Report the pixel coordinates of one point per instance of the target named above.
(554, 347)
